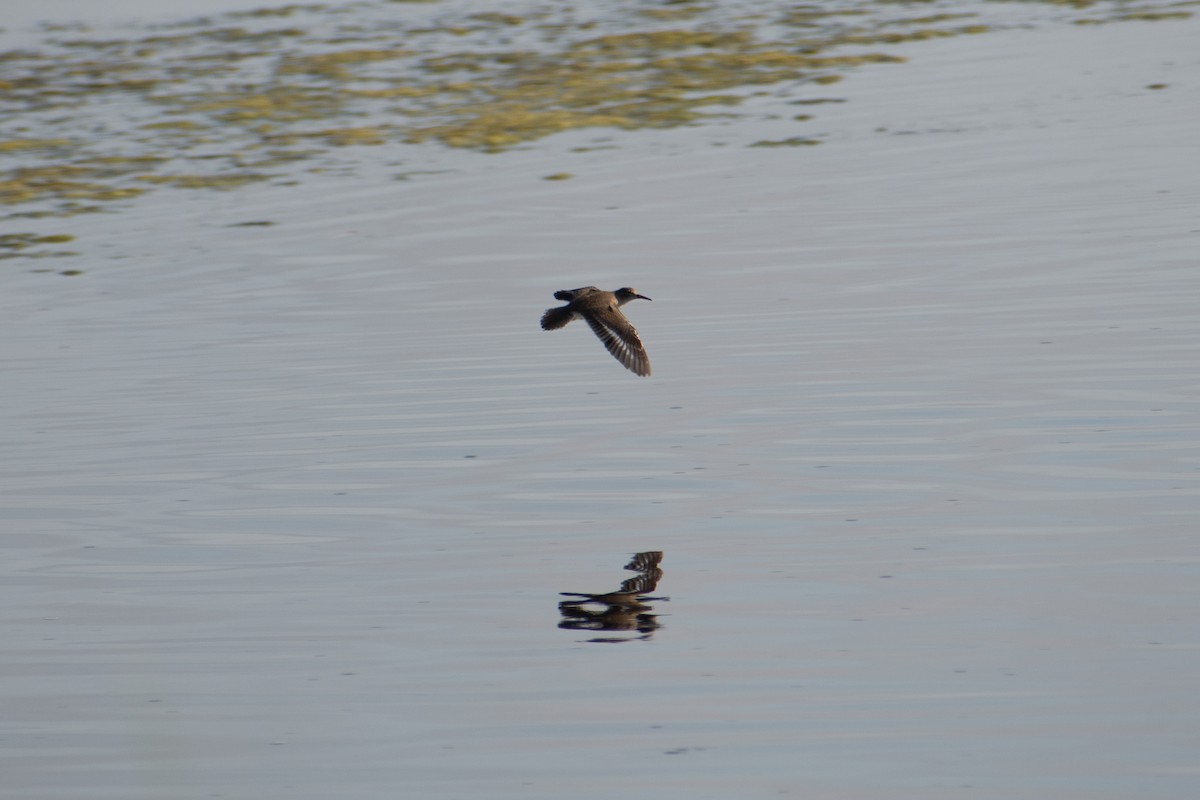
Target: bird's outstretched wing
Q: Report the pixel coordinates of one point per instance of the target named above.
(621, 339)
(567, 295)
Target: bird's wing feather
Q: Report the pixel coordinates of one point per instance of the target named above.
(555, 318)
(621, 339)
(567, 295)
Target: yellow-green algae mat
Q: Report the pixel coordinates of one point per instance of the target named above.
(222, 101)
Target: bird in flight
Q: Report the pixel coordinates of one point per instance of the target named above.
(602, 312)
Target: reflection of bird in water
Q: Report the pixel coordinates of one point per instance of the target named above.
(612, 618)
(624, 609)
(602, 312)
(623, 599)
(646, 565)
(577, 617)
(633, 590)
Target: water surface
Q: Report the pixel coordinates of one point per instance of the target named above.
(287, 508)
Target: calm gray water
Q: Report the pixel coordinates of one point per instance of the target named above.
(287, 509)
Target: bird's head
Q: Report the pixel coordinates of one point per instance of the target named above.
(625, 294)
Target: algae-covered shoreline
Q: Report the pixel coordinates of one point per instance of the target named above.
(95, 117)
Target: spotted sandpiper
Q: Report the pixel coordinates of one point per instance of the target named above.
(602, 312)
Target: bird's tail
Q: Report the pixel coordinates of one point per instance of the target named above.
(555, 318)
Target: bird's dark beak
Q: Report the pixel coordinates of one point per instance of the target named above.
(643, 297)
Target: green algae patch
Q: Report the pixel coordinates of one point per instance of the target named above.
(932, 19)
(731, 69)
(658, 41)
(282, 11)
(657, 79)
(274, 103)
(114, 166)
(15, 245)
(499, 126)
(66, 181)
(397, 92)
(13, 145)
(173, 125)
(342, 137)
(675, 11)
(226, 181)
(558, 176)
(795, 141)
(494, 18)
(336, 65)
(1153, 16)
(21, 241)
(921, 34)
